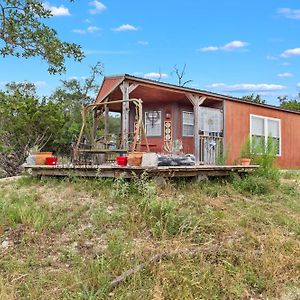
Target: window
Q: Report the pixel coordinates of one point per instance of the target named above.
(153, 123)
(211, 120)
(265, 132)
(187, 123)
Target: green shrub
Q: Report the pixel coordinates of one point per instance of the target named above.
(164, 217)
(254, 185)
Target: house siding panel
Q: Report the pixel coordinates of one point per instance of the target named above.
(237, 122)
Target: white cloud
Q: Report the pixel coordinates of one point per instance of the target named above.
(291, 52)
(143, 43)
(98, 7)
(210, 49)
(285, 75)
(90, 29)
(246, 87)
(57, 11)
(126, 27)
(155, 75)
(290, 13)
(80, 31)
(298, 85)
(234, 45)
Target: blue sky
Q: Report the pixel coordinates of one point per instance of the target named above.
(233, 47)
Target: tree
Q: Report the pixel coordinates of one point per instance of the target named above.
(255, 99)
(180, 75)
(24, 34)
(25, 122)
(72, 95)
(292, 104)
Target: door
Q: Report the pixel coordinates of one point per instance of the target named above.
(211, 135)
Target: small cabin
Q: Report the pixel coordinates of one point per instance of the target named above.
(193, 121)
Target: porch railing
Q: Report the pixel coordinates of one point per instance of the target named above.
(211, 150)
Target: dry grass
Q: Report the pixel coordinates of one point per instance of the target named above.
(62, 239)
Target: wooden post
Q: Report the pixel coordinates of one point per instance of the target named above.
(126, 89)
(196, 101)
(106, 120)
(95, 124)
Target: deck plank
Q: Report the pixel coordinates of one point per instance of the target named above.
(114, 171)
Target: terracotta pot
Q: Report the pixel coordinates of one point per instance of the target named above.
(40, 157)
(245, 161)
(135, 159)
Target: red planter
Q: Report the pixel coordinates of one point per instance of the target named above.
(52, 160)
(121, 161)
(245, 161)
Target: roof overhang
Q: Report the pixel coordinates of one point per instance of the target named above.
(118, 79)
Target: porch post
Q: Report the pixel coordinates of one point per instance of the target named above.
(126, 89)
(106, 119)
(196, 101)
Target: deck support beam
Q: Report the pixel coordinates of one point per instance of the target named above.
(126, 89)
(197, 101)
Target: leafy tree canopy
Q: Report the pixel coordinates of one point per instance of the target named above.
(254, 98)
(292, 104)
(25, 122)
(24, 34)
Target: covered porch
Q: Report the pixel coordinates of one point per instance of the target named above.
(176, 119)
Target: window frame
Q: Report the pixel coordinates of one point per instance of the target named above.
(182, 123)
(266, 135)
(161, 122)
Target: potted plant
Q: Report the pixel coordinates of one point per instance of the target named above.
(39, 157)
(246, 153)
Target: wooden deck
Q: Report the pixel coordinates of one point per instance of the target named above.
(112, 171)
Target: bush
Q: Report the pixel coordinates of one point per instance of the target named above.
(254, 184)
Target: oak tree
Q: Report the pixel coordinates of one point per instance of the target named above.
(23, 33)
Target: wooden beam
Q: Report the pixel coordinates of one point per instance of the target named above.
(126, 89)
(196, 101)
(106, 119)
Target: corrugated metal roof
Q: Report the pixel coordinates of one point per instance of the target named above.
(120, 78)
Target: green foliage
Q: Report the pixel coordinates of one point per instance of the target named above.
(292, 104)
(266, 177)
(214, 244)
(24, 34)
(254, 185)
(165, 218)
(265, 157)
(246, 151)
(25, 121)
(253, 98)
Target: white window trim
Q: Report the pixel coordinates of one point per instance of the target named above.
(161, 122)
(266, 129)
(186, 135)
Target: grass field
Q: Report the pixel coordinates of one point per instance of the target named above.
(69, 239)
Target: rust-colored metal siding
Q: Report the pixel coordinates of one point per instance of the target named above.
(187, 142)
(237, 129)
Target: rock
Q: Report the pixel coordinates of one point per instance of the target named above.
(5, 244)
